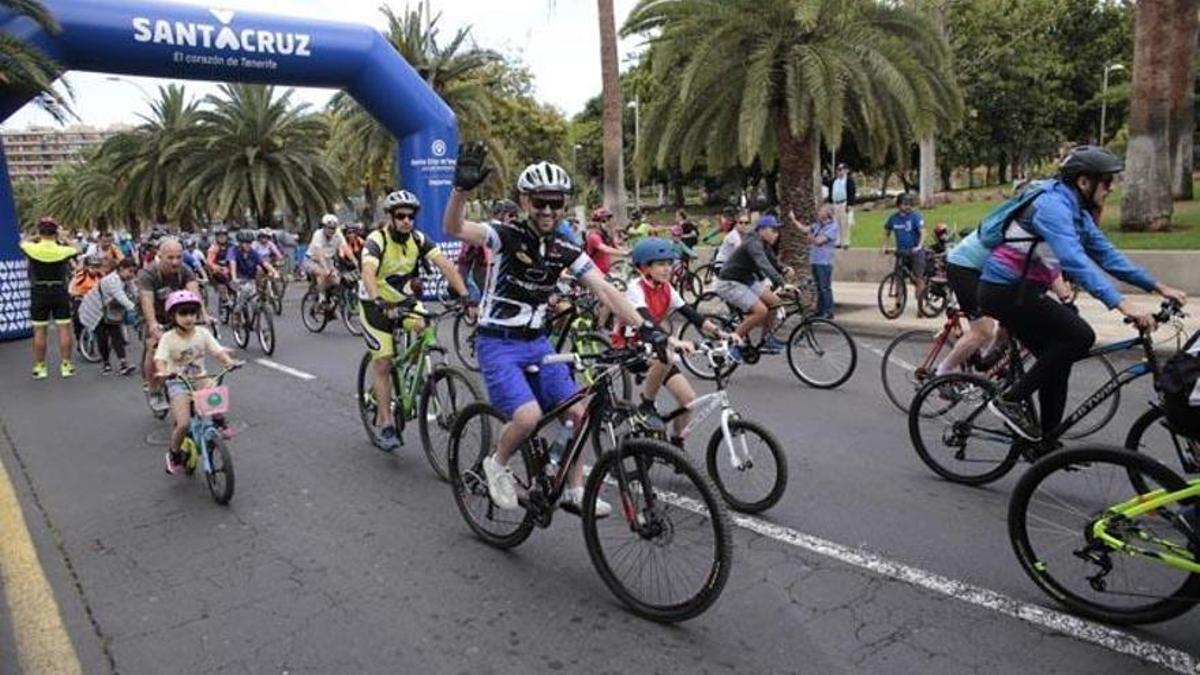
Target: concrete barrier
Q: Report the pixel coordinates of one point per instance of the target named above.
(1180, 269)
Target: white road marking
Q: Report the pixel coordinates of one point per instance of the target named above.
(1060, 622)
(285, 369)
(896, 360)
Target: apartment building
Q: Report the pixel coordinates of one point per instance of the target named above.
(34, 153)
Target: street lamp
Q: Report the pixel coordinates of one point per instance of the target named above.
(575, 157)
(1104, 96)
(637, 146)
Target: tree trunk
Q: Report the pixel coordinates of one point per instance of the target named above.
(928, 170)
(614, 164)
(1147, 202)
(796, 163)
(1183, 98)
(677, 186)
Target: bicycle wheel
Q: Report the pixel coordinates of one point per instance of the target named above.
(473, 438)
(1152, 436)
(690, 287)
(908, 363)
(464, 341)
(955, 435)
(88, 347)
(266, 331)
(367, 403)
(239, 323)
(821, 353)
(220, 475)
(1087, 376)
(892, 296)
(310, 312)
(278, 289)
(447, 391)
(1052, 520)
(350, 317)
(697, 364)
(666, 550)
(932, 301)
(754, 476)
(706, 273)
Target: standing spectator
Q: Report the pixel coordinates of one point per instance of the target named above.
(103, 311)
(83, 281)
(106, 250)
(49, 267)
(908, 226)
(822, 239)
(842, 194)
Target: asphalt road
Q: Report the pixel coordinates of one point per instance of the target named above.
(334, 557)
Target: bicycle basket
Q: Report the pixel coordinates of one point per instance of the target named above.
(1179, 385)
(211, 401)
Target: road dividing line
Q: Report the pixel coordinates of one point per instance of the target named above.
(1059, 622)
(285, 369)
(42, 642)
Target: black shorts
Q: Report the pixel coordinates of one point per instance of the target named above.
(964, 281)
(49, 303)
(914, 261)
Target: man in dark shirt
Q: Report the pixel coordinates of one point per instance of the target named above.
(155, 282)
(744, 283)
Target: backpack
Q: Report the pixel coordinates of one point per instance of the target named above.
(1179, 385)
(995, 223)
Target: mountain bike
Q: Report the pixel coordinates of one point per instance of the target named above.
(912, 357)
(252, 312)
(424, 386)
(820, 353)
(1109, 534)
(204, 447)
(275, 289)
(892, 295)
(937, 294)
(662, 503)
(743, 458)
(960, 440)
(341, 300)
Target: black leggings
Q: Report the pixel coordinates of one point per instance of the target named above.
(1055, 334)
(110, 335)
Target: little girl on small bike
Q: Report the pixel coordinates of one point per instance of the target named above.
(181, 352)
(655, 299)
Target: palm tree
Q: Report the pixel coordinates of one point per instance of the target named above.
(462, 75)
(257, 152)
(763, 79)
(83, 194)
(610, 77)
(146, 160)
(25, 69)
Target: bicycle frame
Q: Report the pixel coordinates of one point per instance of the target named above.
(415, 355)
(1175, 556)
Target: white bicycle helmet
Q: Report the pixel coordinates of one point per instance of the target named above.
(544, 177)
(329, 220)
(401, 198)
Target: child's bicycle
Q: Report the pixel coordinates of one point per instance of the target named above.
(204, 447)
(425, 387)
(743, 458)
(1110, 534)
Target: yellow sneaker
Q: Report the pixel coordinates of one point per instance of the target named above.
(66, 369)
(39, 370)
(191, 455)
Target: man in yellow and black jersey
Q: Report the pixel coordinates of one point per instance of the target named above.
(391, 259)
(49, 270)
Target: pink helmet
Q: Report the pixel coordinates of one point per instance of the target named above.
(178, 298)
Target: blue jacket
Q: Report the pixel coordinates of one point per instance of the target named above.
(1071, 243)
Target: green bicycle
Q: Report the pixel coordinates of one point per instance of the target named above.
(424, 387)
(1110, 534)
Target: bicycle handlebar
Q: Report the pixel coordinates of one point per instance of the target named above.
(1168, 310)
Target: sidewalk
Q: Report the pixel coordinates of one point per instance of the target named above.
(857, 310)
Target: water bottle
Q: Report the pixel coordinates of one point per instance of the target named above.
(565, 434)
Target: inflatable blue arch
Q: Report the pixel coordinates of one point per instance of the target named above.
(140, 37)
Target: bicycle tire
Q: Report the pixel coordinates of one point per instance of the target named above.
(471, 483)
(88, 346)
(909, 377)
(313, 320)
(265, 329)
(350, 316)
(464, 342)
(1098, 418)
(697, 364)
(653, 518)
(930, 305)
(278, 289)
(974, 392)
(1075, 461)
(1135, 441)
(713, 456)
(805, 339)
(896, 293)
(435, 451)
(367, 405)
(690, 287)
(221, 465)
(240, 325)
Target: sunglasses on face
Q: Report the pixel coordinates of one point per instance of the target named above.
(540, 204)
(403, 216)
(743, 222)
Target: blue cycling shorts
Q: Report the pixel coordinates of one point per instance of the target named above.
(503, 362)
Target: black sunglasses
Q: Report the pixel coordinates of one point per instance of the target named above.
(743, 222)
(404, 216)
(540, 204)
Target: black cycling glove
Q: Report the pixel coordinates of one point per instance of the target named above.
(654, 336)
(471, 169)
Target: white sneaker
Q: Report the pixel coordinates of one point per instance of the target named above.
(502, 487)
(572, 502)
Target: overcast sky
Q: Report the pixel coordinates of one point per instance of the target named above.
(556, 39)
